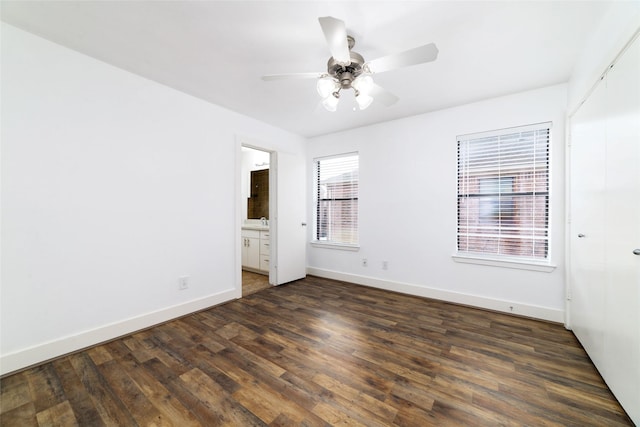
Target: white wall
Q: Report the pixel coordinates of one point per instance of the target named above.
(407, 211)
(113, 186)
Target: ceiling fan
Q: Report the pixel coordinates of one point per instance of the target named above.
(347, 69)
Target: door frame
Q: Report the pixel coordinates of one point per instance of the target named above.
(242, 141)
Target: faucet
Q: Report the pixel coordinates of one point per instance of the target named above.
(264, 221)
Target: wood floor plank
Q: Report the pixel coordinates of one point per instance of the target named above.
(83, 408)
(139, 348)
(58, 415)
(108, 404)
(412, 416)
(45, 387)
(378, 408)
(20, 416)
(184, 393)
(137, 403)
(319, 352)
(253, 282)
(226, 411)
(406, 393)
(15, 392)
(99, 354)
(418, 373)
(300, 401)
(340, 413)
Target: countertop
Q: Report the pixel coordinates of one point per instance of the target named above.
(258, 227)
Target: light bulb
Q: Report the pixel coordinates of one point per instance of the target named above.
(364, 101)
(330, 102)
(326, 86)
(363, 84)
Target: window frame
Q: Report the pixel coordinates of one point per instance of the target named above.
(334, 244)
(501, 259)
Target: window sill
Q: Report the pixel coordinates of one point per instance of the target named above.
(505, 263)
(353, 248)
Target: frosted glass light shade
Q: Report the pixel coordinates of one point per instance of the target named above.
(363, 84)
(364, 101)
(326, 86)
(330, 103)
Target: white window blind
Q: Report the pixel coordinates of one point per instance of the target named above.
(503, 193)
(336, 193)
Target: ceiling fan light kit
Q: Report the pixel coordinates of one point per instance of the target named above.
(347, 69)
(331, 101)
(326, 86)
(364, 101)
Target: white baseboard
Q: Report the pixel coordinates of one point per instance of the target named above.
(519, 309)
(41, 353)
(50, 350)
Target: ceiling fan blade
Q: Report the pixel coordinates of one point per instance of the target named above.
(383, 96)
(270, 77)
(418, 55)
(335, 31)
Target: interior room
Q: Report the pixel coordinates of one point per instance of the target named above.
(320, 213)
(256, 241)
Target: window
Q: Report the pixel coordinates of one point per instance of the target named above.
(503, 193)
(492, 207)
(336, 194)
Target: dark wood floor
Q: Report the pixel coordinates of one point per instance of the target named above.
(320, 352)
(253, 282)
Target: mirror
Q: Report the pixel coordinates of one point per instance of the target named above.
(258, 203)
(255, 185)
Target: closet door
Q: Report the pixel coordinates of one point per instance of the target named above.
(622, 213)
(588, 135)
(605, 228)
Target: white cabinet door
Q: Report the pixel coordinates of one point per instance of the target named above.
(622, 333)
(245, 252)
(290, 242)
(251, 252)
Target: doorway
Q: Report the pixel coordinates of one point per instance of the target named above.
(255, 219)
(286, 223)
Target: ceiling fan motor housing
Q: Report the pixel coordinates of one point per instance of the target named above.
(346, 74)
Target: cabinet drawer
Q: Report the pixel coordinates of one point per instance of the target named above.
(264, 234)
(251, 233)
(264, 247)
(264, 262)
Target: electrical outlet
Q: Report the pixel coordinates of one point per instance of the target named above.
(183, 283)
(385, 265)
(364, 262)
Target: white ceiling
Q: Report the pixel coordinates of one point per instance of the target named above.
(218, 50)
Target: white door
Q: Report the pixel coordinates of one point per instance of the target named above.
(290, 218)
(622, 333)
(605, 229)
(587, 181)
